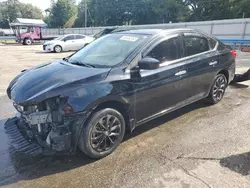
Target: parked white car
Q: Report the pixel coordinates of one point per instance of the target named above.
(71, 42)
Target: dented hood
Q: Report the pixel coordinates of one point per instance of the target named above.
(51, 79)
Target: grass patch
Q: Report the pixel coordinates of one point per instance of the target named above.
(7, 41)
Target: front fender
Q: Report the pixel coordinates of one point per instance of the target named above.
(88, 98)
(85, 100)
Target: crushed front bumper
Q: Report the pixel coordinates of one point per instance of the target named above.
(23, 142)
(18, 141)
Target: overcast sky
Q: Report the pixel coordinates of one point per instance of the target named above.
(42, 4)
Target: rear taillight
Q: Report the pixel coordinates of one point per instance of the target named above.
(233, 52)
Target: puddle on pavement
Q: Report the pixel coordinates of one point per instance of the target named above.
(23, 167)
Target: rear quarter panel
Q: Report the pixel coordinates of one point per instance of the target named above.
(226, 62)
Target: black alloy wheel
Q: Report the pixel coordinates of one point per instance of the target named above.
(103, 133)
(218, 89)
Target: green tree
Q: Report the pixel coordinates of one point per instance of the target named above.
(209, 10)
(108, 12)
(30, 11)
(12, 9)
(61, 12)
(3, 15)
(241, 8)
(80, 20)
(170, 10)
(120, 12)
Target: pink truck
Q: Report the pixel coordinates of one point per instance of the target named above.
(28, 31)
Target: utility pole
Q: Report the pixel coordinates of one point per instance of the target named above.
(86, 15)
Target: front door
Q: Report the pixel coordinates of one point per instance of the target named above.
(159, 91)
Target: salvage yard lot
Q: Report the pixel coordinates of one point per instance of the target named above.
(15, 58)
(197, 146)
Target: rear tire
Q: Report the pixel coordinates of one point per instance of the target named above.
(57, 49)
(218, 89)
(102, 134)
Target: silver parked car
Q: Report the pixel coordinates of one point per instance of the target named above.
(71, 42)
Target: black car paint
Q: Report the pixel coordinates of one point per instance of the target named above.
(52, 79)
(142, 95)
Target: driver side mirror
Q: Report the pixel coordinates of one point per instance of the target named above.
(149, 63)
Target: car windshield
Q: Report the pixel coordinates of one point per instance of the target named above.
(108, 51)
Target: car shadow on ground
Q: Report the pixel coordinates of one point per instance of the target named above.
(19, 44)
(239, 86)
(28, 168)
(238, 163)
(166, 118)
(43, 52)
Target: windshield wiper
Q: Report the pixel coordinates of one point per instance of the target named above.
(82, 64)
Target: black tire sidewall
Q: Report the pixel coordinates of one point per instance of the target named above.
(26, 43)
(84, 140)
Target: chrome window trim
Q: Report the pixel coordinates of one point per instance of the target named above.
(186, 58)
(167, 63)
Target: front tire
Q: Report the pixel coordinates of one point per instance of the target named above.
(102, 134)
(218, 89)
(57, 49)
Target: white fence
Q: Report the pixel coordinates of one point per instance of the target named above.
(223, 29)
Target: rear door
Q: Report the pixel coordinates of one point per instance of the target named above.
(69, 43)
(200, 63)
(80, 41)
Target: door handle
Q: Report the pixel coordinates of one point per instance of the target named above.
(213, 63)
(180, 73)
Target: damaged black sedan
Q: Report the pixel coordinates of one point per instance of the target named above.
(122, 80)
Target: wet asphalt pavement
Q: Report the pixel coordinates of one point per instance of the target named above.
(197, 146)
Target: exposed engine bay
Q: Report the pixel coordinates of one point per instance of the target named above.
(46, 124)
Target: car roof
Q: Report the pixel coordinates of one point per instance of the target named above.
(156, 31)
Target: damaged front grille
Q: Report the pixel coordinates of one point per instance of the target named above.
(36, 116)
(43, 123)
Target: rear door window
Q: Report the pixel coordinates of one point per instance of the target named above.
(70, 37)
(80, 37)
(195, 45)
(167, 50)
